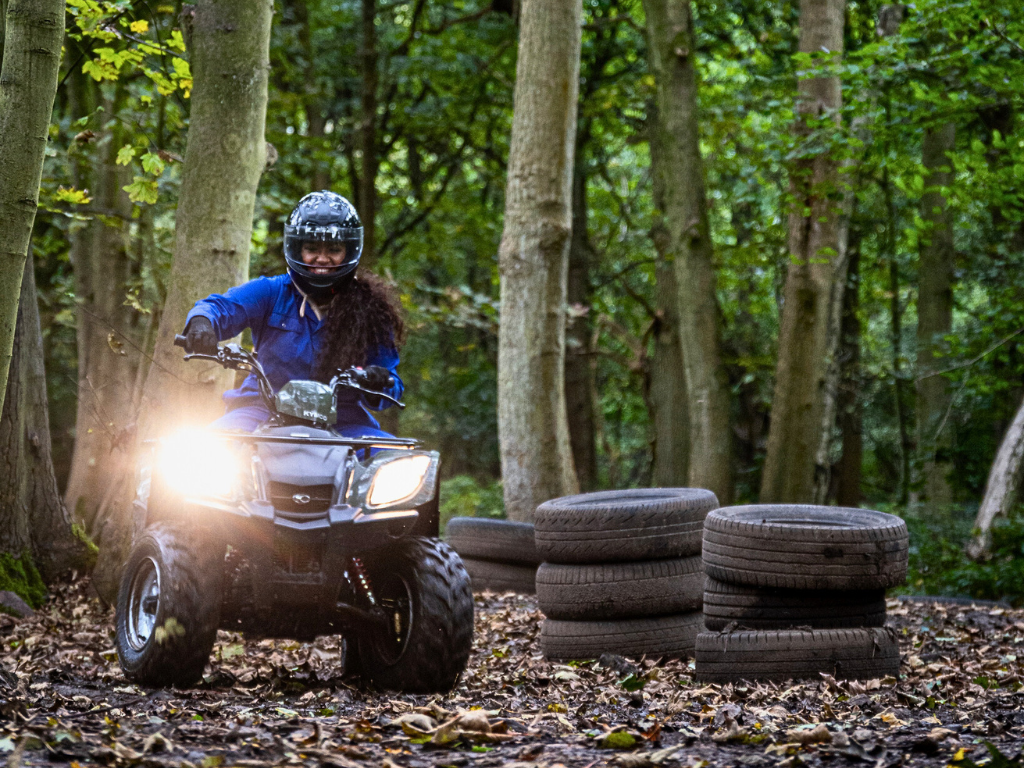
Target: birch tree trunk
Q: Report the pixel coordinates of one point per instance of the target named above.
(672, 56)
(536, 453)
(814, 238)
(224, 157)
(1001, 488)
(935, 317)
(33, 519)
(33, 33)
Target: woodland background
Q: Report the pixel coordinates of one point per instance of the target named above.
(407, 108)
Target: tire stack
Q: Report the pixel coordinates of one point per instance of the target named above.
(793, 591)
(499, 555)
(622, 572)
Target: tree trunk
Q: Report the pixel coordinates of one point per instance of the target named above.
(224, 158)
(671, 39)
(105, 421)
(33, 34)
(1001, 489)
(847, 472)
(368, 134)
(935, 317)
(536, 453)
(814, 233)
(666, 394)
(579, 376)
(33, 518)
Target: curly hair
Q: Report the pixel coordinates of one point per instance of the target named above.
(364, 315)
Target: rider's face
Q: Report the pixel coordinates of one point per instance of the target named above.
(322, 256)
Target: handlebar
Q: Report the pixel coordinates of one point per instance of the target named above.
(233, 356)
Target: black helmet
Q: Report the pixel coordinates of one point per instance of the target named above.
(324, 217)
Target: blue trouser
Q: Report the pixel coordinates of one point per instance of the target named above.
(248, 417)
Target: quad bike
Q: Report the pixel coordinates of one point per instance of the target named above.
(292, 532)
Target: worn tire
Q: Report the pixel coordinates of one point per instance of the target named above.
(501, 541)
(622, 526)
(189, 572)
(752, 608)
(501, 577)
(430, 577)
(789, 654)
(670, 637)
(805, 547)
(620, 590)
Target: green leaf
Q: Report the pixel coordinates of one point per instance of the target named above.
(142, 190)
(72, 195)
(151, 163)
(125, 154)
(633, 682)
(618, 740)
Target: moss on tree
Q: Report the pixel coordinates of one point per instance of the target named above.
(19, 575)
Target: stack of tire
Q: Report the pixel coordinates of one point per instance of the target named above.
(622, 572)
(793, 591)
(499, 555)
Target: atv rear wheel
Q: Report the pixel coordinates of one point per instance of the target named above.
(168, 607)
(423, 589)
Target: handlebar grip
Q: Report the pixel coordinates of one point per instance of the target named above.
(179, 341)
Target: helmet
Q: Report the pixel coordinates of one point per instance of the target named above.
(324, 217)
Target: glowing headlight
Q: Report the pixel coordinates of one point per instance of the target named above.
(397, 480)
(194, 464)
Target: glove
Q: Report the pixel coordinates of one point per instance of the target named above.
(199, 337)
(377, 378)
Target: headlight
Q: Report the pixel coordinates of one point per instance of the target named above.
(195, 464)
(397, 480)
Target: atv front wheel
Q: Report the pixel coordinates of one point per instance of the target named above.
(168, 607)
(423, 590)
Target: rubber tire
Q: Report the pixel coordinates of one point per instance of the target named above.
(191, 571)
(805, 547)
(501, 541)
(789, 654)
(501, 577)
(441, 637)
(622, 526)
(752, 608)
(620, 590)
(670, 637)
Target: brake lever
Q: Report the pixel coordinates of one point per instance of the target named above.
(348, 381)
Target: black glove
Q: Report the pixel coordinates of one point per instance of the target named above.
(377, 378)
(199, 337)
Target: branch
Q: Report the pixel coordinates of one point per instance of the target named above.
(974, 360)
(1003, 36)
(614, 20)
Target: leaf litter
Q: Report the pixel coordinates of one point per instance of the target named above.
(275, 703)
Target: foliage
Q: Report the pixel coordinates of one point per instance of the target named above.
(938, 565)
(465, 496)
(19, 575)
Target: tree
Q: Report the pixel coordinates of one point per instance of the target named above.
(935, 316)
(1001, 488)
(34, 524)
(814, 247)
(33, 33)
(536, 455)
(224, 159)
(672, 59)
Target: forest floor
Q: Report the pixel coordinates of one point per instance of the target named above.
(266, 703)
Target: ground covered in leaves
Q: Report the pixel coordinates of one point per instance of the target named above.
(266, 703)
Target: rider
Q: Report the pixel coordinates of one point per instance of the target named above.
(318, 317)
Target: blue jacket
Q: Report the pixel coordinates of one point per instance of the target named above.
(286, 342)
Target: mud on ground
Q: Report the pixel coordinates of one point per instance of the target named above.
(63, 701)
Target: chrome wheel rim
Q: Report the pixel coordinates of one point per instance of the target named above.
(143, 604)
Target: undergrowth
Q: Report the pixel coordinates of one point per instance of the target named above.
(939, 564)
(465, 496)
